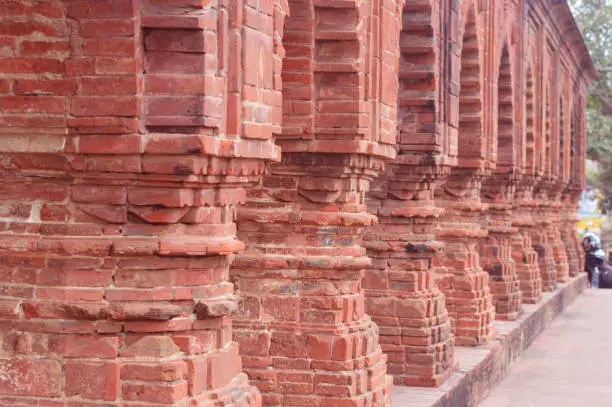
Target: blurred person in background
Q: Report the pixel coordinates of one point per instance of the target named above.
(596, 258)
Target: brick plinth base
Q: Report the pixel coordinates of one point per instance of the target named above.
(464, 283)
(127, 310)
(400, 286)
(569, 235)
(541, 244)
(496, 259)
(560, 252)
(527, 268)
(525, 257)
(303, 331)
(486, 366)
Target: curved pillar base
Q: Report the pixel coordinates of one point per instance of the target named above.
(415, 331)
(304, 333)
(315, 365)
(495, 258)
(546, 260)
(570, 238)
(559, 253)
(415, 334)
(527, 268)
(468, 296)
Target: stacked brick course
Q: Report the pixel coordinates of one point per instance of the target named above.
(277, 202)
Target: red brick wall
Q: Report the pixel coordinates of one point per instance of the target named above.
(129, 131)
(225, 202)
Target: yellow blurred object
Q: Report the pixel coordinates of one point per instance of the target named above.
(591, 224)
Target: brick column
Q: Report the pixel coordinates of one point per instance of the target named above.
(554, 233)
(402, 296)
(116, 244)
(525, 257)
(541, 238)
(461, 279)
(569, 231)
(304, 334)
(496, 250)
(303, 330)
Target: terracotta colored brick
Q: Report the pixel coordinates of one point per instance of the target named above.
(31, 377)
(45, 48)
(84, 346)
(154, 372)
(30, 65)
(320, 183)
(92, 381)
(155, 393)
(104, 106)
(32, 104)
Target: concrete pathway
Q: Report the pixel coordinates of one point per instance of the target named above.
(569, 365)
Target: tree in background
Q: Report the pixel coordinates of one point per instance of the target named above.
(594, 17)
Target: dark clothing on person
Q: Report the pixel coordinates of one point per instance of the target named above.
(593, 260)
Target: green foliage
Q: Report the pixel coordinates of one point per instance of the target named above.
(594, 17)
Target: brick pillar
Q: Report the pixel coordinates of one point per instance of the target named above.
(496, 249)
(541, 238)
(462, 280)
(569, 231)
(400, 286)
(117, 222)
(401, 295)
(303, 330)
(554, 233)
(525, 258)
(304, 334)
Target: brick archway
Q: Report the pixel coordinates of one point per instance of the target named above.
(304, 334)
(461, 279)
(400, 285)
(525, 258)
(542, 243)
(498, 192)
(560, 251)
(569, 219)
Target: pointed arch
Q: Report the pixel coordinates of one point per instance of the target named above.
(471, 142)
(419, 76)
(507, 154)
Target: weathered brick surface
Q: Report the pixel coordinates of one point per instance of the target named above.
(215, 202)
(128, 133)
(303, 329)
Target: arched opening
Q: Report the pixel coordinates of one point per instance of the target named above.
(403, 244)
(541, 238)
(460, 275)
(495, 250)
(303, 224)
(561, 179)
(525, 257)
(471, 142)
(506, 143)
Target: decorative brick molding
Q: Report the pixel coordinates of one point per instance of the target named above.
(277, 202)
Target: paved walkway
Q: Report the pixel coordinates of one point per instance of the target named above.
(569, 365)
